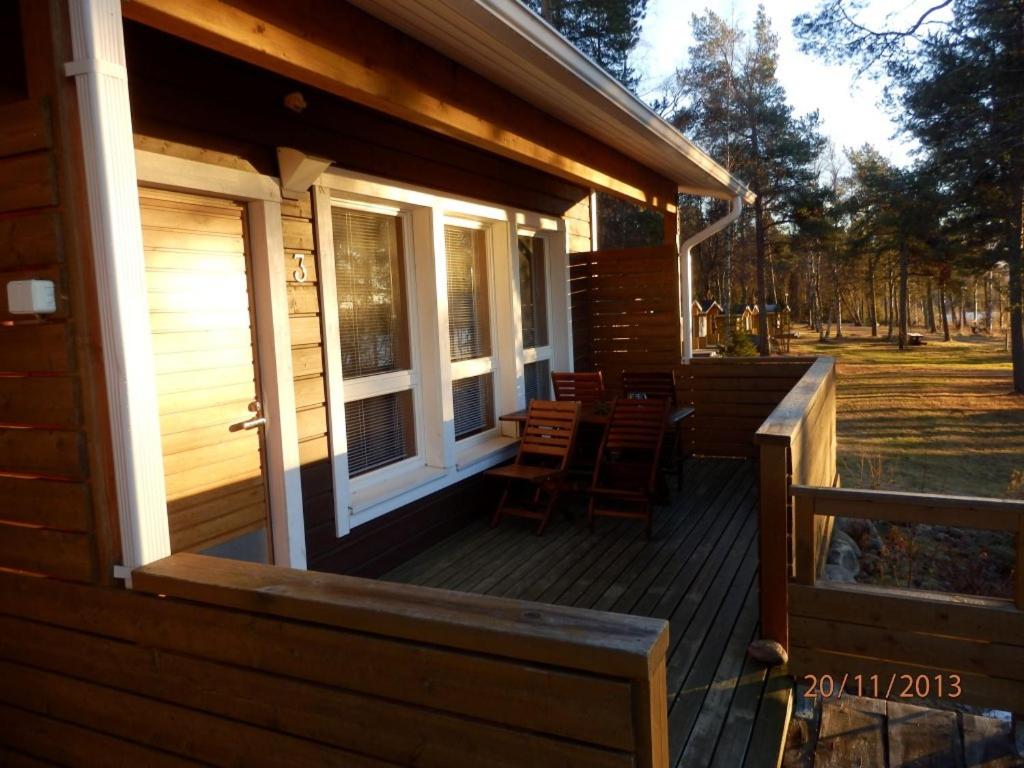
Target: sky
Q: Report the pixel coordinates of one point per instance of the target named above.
(851, 112)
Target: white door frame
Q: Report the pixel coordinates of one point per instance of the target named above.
(262, 196)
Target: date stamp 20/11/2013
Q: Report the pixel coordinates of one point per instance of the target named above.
(891, 686)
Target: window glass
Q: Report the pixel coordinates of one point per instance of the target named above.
(380, 431)
(469, 327)
(533, 291)
(371, 293)
(537, 380)
(13, 80)
(474, 405)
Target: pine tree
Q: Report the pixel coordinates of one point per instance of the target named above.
(958, 83)
(730, 94)
(605, 30)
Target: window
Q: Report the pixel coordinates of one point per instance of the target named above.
(537, 380)
(373, 323)
(469, 330)
(533, 312)
(533, 296)
(447, 312)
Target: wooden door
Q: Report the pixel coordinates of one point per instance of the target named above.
(199, 288)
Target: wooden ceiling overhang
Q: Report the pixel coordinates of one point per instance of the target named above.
(500, 100)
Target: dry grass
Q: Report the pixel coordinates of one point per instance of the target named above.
(938, 419)
(935, 419)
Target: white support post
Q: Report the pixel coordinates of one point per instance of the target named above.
(102, 86)
(273, 338)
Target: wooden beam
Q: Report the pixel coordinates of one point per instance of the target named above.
(340, 49)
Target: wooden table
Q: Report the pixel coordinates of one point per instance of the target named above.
(599, 414)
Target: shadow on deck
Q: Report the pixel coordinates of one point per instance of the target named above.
(698, 572)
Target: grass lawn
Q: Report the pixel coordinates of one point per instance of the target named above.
(938, 419)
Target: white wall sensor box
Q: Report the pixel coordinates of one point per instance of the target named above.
(31, 297)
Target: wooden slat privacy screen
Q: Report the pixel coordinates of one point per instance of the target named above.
(625, 309)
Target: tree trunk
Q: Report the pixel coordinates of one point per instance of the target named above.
(1016, 298)
(761, 247)
(872, 312)
(962, 317)
(891, 302)
(988, 302)
(931, 306)
(904, 308)
(838, 299)
(942, 310)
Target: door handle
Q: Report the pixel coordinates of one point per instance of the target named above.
(254, 423)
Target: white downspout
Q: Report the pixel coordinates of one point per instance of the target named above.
(686, 270)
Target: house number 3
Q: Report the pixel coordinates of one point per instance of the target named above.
(300, 273)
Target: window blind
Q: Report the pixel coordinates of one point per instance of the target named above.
(380, 431)
(537, 380)
(469, 327)
(371, 293)
(533, 292)
(474, 405)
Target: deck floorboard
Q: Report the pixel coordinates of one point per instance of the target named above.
(698, 570)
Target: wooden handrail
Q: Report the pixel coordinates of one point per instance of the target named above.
(790, 415)
(899, 507)
(574, 638)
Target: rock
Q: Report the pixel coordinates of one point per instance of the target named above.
(844, 554)
(839, 574)
(767, 652)
(864, 532)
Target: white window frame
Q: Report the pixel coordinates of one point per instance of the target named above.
(496, 322)
(440, 459)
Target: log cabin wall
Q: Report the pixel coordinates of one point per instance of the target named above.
(56, 510)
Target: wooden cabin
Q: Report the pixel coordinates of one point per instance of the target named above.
(706, 323)
(273, 271)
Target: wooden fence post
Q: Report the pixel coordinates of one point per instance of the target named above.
(773, 542)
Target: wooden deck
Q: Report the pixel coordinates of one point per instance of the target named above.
(852, 730)
(698, 571)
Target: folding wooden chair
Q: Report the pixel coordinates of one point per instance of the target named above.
(545, 446)
(661, 385)
(624, 477)
(587, 388)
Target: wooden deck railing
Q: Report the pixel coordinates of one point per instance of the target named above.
(922, 638)
(222, 662)
(797, 445)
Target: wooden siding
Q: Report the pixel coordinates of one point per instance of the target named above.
(578, 226)
(861, 629)
(217, 109)
(53, 517)
(244, 664)
(342, 50)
